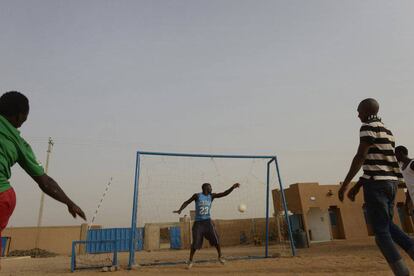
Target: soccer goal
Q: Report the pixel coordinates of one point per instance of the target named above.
(248, 222)
(85, 255)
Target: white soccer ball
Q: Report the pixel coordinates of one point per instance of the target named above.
(242, 208)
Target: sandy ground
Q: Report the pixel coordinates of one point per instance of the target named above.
(332, 258)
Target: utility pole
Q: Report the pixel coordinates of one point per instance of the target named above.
(42, 197)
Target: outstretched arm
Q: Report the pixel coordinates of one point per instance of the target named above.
(356, 165)
(185, 204)
(226, 192)
(52, 189)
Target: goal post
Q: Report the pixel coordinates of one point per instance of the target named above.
(271, 161)
(83, 252)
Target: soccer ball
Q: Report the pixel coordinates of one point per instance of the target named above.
(242, 208)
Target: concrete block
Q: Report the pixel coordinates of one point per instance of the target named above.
(151, 237)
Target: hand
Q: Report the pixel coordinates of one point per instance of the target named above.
(237, 185)
(341, 192)
(74, 210)
(177, 212)
(353, 192)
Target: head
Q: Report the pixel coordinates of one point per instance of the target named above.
(401, 153)
(366, 108)
(14, 106)
(206, 188)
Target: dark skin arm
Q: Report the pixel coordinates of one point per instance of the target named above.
(52, 189)
(185, 204)
(354, 191)
(408, 202)
(356, 165)
(226, 192)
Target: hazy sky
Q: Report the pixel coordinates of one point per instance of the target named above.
(106, 78)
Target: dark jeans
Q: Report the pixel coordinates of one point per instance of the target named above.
(379, 199)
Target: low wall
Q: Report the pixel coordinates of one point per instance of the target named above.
(57, 239)
(234, 232)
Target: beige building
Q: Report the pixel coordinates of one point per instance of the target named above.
(317, 210)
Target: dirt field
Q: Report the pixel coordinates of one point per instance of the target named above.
(333, 258)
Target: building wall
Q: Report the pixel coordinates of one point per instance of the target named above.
(57, 239)
(233, 232)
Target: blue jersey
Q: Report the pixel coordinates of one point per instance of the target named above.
(203, 206)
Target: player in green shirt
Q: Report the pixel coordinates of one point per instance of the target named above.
(14, 109)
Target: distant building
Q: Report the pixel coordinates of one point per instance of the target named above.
(317, 210)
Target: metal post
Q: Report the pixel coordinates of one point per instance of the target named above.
(267, 209)
(42, 195)
(115, 251)
(282, 192)
(73, 258)
(131, 261)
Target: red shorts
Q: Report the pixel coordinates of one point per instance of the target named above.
(7, 204)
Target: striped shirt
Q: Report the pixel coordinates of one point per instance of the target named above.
(380, 163)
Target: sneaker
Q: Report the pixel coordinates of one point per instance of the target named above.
(189, 264)
(222, 260)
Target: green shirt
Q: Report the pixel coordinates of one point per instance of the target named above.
(13, 148)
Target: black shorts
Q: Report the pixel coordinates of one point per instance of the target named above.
(204, 229)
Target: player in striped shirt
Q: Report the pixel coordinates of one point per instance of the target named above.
(380, 180)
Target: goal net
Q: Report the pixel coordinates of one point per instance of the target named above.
(94, 254)
(164, 181)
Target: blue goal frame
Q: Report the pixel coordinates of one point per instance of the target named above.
(113, 243)
(271, 158)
